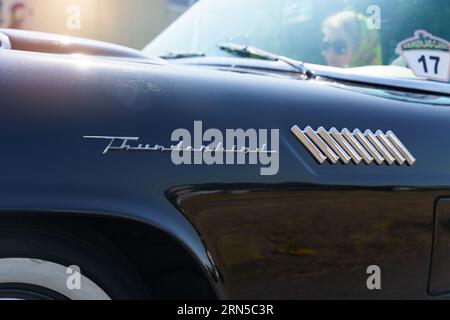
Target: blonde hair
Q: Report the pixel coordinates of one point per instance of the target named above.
(365, 40)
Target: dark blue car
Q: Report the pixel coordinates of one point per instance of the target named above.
(282, 149)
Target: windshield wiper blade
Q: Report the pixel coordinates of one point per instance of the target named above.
(253, 52)
(180, 55)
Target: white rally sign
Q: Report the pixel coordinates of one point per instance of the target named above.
(427, 56)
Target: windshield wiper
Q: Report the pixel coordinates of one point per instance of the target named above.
(253, 52)
(180, 55)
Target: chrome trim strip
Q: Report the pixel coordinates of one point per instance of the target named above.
(357, 146)
(344, 157)
(308, 144)
(322, 145)
(379, 146)
(346, 146)
(401, 148)
(368, 146)
(392, 150)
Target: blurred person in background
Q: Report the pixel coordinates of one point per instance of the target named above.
(19, 15)
(348, 41)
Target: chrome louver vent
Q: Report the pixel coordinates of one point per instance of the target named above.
(4, 41)
(356, 146)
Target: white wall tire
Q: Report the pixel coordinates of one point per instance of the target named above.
(34, 258)
(49, 275)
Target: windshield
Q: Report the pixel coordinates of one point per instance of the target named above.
(338, 33)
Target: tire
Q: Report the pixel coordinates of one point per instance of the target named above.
(35, 261)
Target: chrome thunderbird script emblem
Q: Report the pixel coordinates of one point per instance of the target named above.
(346, 146)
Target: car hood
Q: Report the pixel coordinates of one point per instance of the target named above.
(394, 77)
(58, 44)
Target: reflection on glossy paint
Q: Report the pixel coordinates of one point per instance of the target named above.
(309, 242)
(81, 61)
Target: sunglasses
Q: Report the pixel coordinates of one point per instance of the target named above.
(339, 46)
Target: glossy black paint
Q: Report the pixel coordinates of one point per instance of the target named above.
(308, 232)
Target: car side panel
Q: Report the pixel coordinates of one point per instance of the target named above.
(309, 231)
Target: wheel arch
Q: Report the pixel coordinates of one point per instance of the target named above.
(180, 274)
